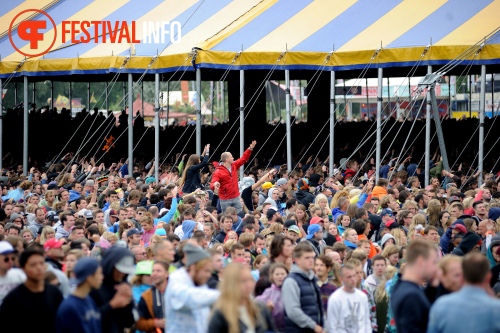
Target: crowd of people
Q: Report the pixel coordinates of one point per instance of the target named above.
(90, 248)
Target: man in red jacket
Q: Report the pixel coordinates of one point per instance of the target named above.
(225, 178)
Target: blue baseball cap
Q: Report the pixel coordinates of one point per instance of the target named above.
(84, 268)
(312, 229)
(133, 231)
(386, 211)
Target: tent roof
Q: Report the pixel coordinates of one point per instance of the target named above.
(262, 30)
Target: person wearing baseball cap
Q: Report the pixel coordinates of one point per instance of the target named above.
(133, 237)
(315, 237)
(264, 193)
(79, 309)
(10, 277)
(114, 297)
(54, 253)
(293, 233)
(188, 298)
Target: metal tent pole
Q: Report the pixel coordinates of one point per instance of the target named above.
(428, 133)
(482, 110)
(25, 128)
(88, 97)
(242, 116)
(212, 102)
(51, 94)
(198, 111)
(223, 98)
(107, 94)
(288, 122)
(1, 126)
(157, 126)
(130, 125)
(439, 130)
(70, 99)
(379, 121)
(332, 120)
(34, 94)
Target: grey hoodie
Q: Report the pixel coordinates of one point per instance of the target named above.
(64, 286)
(61, 232)
(291, 299)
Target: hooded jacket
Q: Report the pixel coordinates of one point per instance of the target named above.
(229, 179)
(270, 198)
(349, 173)
(494, 242)
(467, 244)
(446, 238)
(304, 197)
(336, 212)
(314, 179)
(273, 294)
(61, 232)
(188, 227)
(113, 320)
(379, 192)
(350, 245)
(385, 239)
(187, 306)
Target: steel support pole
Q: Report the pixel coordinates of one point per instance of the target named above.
(482, 110)
(107, 95)
(157, 126)
(332, 120)
(130, 125)
(288, 123)
(1, 126)
(379, 122)
(242, 116)
(198, 111)
(212, 102)
(25, 128)
(124, 94)
(51, 94)
(223, 98)
(88, 97)
(168, 102)
(70, 99)
(427, 133)
(439, 131)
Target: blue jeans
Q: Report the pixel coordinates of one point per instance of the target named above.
(236, 203)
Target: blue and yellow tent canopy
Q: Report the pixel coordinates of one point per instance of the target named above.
(254, 34)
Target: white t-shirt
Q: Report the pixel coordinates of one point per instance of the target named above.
(348, 312)
(11, 280)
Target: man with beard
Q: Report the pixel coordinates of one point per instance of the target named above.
(188, 298)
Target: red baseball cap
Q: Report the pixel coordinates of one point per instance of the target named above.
(316, 220)
(52, 244)
(461, 229)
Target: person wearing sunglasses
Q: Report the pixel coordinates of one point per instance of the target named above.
(10, 277)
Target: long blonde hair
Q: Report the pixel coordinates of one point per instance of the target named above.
(434, 210)
(192, 160)
(380, 293)
(231, 298)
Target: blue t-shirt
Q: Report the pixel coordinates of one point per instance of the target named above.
(78, 315)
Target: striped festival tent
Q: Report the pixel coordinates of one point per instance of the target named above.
(244, 34)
